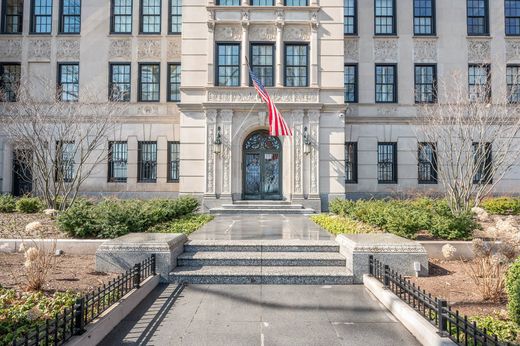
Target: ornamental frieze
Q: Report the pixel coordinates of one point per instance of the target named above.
(386, 50)
(262, 33)
(149, 49)
(174, 49)
(479, 51)
(297, 33)
(40, 49)
(250, 95)
(425, 50)
(352, 50)
(68, 49)
(228, 33)
(11, 49)
(512, 50)
(120, 48)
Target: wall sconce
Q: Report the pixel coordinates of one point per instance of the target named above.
(306, 141)
(218, 142)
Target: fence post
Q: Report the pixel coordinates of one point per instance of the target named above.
(371, 264)
(386, 278)
(137, 275)
(442, 304)
(154, 269)
(79, 313)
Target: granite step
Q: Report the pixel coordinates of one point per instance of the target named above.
(278, 275)
(207, 258)
(262, 202)
(261, 210)
(255, 206)
(261, 246)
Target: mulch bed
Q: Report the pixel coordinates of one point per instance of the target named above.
(12, 226)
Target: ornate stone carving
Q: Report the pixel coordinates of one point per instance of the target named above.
(280, 15)
(174, 49)
(249, 95)
(211, 118)
(296, 33)
(262, 33)
(245, 16)
(425, 50)
(387, 111)
(314, 122)
(148, 109)
(386, 50)
(40, 49)
(120, 48)
(226, 116)
(11, 49)
(68, 49)
(512, 50)
(298, 151)
(149, 49)
(228, 33)
(352, 50)
(479, 51)
(315, 23)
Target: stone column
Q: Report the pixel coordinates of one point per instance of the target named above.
(226, 116)
(211, 48)
(298, 155)
(211, 131)
(314, 82)
(244, 74)
(314, 171)
(279, 53)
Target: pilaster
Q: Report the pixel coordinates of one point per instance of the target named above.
(279, 53)
(226, 116)
(211, 129)
(314, 171)
(298, 155)
(244, 75)
(314, 82)
(210, 51)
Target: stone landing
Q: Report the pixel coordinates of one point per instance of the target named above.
(262, 207)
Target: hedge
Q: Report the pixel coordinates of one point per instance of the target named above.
(513, 291)
(502, 205)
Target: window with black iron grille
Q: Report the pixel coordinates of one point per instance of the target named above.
(117, 162)
(121, 17)
(512, 17)
(9, 81)
(262, 62)
(174, 82)
(350, 17)
(386, 83)
(483, 160)
(424, 17)
(425, 83)
(149, 82)
(296, 65)
(351, 159)
(385, 23)
(350, 80)
(387, 163)
(427, 163)
(479, 79)
(68, 81)
(12, 16)
(41, 16)
(228, 2)
(295, 2)
(120, 82)
(173, 161)
(175, 24)
(147, 162)
(150, 21)
(70, 16)
(478, 17)
(262, 2)
(228, 64)
(513, 83)
(65, 161)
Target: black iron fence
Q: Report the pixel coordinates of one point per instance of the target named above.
(437, 311)
(86, 308)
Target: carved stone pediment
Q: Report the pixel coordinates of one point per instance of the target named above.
(11, 49)
(296, 33)
(386, 50)
(68, 49)
(248, 95)
(262, 33)
(228, 33)
(425, 50)
(149, 48)
(479, 51)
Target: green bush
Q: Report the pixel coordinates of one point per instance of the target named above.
(513, 291)
(341, 224)
(502, 205)
(185, 224)
(504, 330)
(7, 203)
(29, 205)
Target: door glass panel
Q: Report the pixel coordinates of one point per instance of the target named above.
(271, 173)
(252, 185)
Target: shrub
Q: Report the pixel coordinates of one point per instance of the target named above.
(29, 205)
(452, 227)
(186, 224)
(7, 203)
(502, 205)
(340, 224)
(513, 291)
(504, 330)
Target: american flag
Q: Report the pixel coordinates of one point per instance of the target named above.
(277, 125)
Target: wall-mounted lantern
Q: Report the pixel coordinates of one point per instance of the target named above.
(306, 141)
(218, 142)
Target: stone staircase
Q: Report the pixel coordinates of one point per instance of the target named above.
(261, 262)
(262, 207)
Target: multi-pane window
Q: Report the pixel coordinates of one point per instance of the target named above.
(228, 64)
(175, 24)
(173, 161)
(149, 82)
(295, 2)
(385, 17)
(228, 2)
(12, 16)
(350, 80)
(512, 12)
(65, 161)
(41, 16)
(262, 2)
(70, 16)
(120, 82)
(425, 83)
(174, 82)
(424, 17)
(386, 83)
(9, 81)
(483, 160)
(117, 162)
(427, 163)
(350, 17)
(478, 17)
(262, 63)
(121, 18)
(68, 81)
(351, 162)
(296, 65)
(147, 162)
(387, 163)
(479, 80)
(150, 22)
(513, 83)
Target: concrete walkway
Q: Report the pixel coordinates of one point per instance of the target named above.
(260, 315)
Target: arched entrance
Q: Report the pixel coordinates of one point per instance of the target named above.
(262, 166)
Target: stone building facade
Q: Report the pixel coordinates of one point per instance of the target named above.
(343, 74)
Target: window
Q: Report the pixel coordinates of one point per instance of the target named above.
(12, 18)
(117, 162)
(512, 12)
(424, 17)
(350, 17)
(65, 161)
(147, 162)
(479, 77)
(121, 18)
(120, 82)
(228, 2)
(149, 79)
(483, 160)
(513, 83)
(385, 17)
(174, 82)
(70, 20)
(386, 83)
(9, 80)
(68, 81)
(262, 2)
(425, 83)
(228, 64)
(295, 2)
(150, 17)
(478, 17)
(351, 162)
(296, 65)
(262, 63)
(173, 161)
(387, 163)
(41, 16)
(427, 163)
(175, 24)
(350, 80)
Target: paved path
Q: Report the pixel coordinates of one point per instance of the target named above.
(260, 315)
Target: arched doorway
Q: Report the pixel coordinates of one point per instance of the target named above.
(262, 166)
